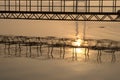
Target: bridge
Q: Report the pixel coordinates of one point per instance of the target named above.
(72, 10)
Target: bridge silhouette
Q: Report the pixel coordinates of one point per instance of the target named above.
(72, 10)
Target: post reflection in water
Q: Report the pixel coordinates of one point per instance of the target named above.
(101, 50)
(52, 47)
(77, 50)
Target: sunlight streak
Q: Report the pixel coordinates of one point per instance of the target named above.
(77, 43)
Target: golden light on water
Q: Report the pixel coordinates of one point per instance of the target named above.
(79, 50)
(77, 43)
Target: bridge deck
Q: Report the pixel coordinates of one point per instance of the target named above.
(101, 10)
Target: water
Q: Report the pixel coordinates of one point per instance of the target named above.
(81, 57)
(60, 28)
(94, 30)
(95, 68)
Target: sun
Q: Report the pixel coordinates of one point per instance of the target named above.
(77, 43)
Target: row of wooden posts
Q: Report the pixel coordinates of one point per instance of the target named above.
(51, 42)
(28, 42)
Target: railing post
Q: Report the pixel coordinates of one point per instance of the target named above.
(41, 6)
(114, 5)
(9, 5)
(26, 5)
(61, 6)
(30, 5)
(19, 5)
(76, 5)
(52, 5)
(64, 6)
(5, 4)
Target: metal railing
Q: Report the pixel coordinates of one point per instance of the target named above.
(99, 6)
(75, 10)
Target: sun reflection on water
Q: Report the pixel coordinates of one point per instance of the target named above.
(77, 43)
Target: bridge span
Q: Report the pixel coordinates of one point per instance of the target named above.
(72, 10)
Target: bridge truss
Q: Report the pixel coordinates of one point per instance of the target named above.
(73, 10)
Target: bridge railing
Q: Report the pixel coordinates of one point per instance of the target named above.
(87, 6)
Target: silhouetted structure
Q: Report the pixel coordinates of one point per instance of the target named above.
(74, 10)
(14, 45)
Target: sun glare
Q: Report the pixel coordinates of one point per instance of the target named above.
(78, 43)
(79, 50)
